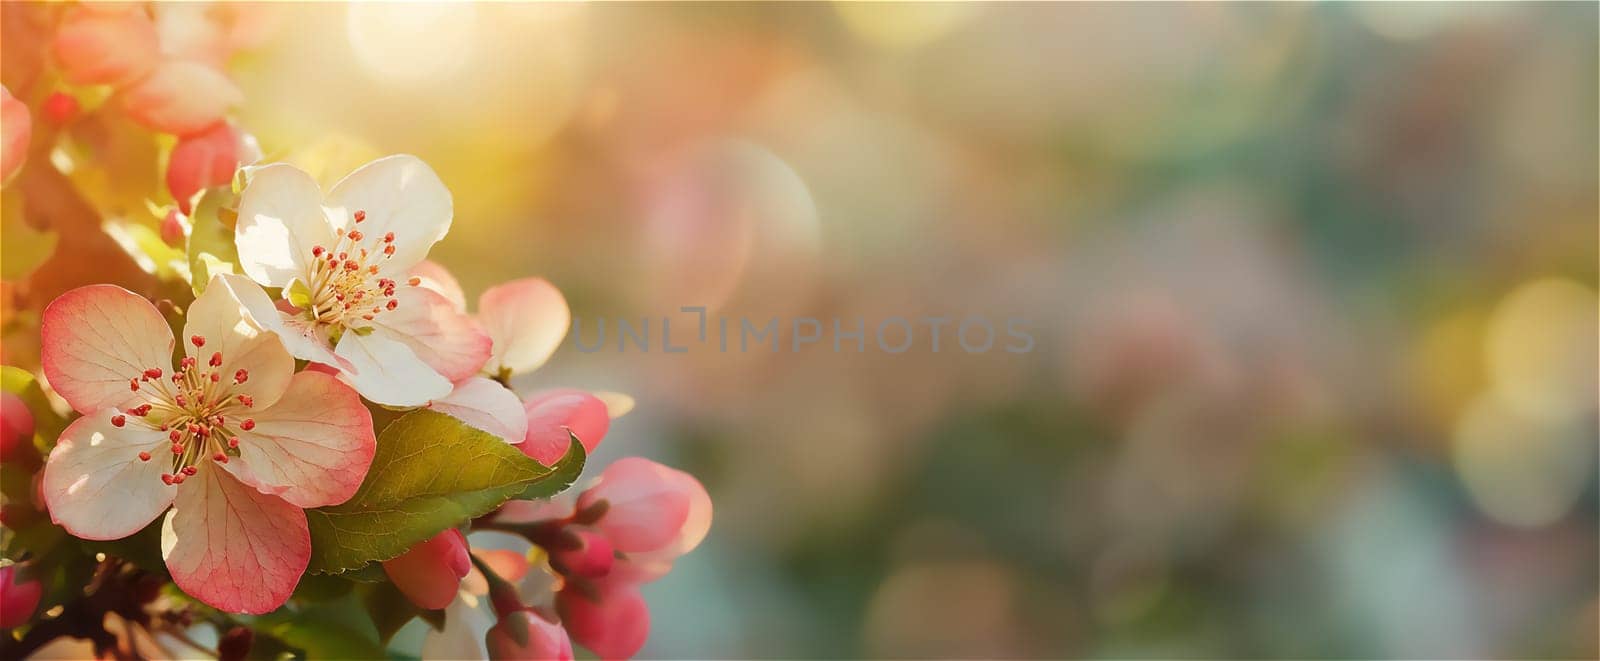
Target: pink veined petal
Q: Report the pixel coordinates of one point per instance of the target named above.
(387, 371)
(95, 339)
(200, 161)
(450, 342)
(399, 194)
(430, 572)
(100, 47)
(280, 220)
(613, 622)
(486, 405)
(436, 277)
(233, 547)
(648, 506)
(180, 97)
(462, 635)
(228, 326)
(16, 130)
(523, 635)
(312, 448)
(527, 320)
(96, 486)
(552, 412)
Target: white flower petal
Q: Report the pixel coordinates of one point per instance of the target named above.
(449, 341)
(486, 405)
(399, 194)
(95, 484)
(387, 371)
(280, 220)
(312, 448)
(235, 548)
(229, 327)
(527, 320)
(434, 276)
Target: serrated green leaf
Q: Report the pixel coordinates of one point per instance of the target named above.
(430, 472)
(211, 248)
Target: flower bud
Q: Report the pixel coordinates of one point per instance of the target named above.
(592, 557)
(19, 597)
(430, 573)
(525, 635)
(173, 229)
(202, 160)
(16, 429)
(60, 108)
(613, 622)
(647, 504)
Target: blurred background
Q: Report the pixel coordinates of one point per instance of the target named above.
(1313, 289)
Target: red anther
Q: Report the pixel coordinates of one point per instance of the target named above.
(141, 410)
(215, 377)
(190, 470)
(192, 428)
(220, 457)
(388, 238)
(316, 251)
(163, 426)
(216, 359)
(385, 283)
(177, 448)
(355, 235)
(152, 373)
(351, 266)
(166, 479)
(197, 340)
(393, 304)
(144, 456)
(388, 249)
(388, 291)
(177, 478)
(186, 363)
(203, 432)
(414, 281)
(180, 400)
(133, 384)
(248, 424)
(344, 256)
(241, 376)
(368, 317)
(176, 436)
(360, 215)
(118, 420)
(247, 401)
(373, 269)
(233, 441)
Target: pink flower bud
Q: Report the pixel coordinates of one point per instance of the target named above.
(592, 558)
(60, 108)
(16, 428)
(19, 597)
(16, 129)
(613, 624)
(174, 229)
(202, 160)
(552, 412)
(646, 504)
(105, 47)
(430, 573)
(525, 635)
(180, 97)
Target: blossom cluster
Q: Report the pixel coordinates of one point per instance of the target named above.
(229, 424)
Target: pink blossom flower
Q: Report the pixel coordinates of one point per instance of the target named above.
(430, 572)
(342, 261)
(230, 438)
(526, 318)
(19, 597)
(16, 129)
(610, 617)
(527, 636)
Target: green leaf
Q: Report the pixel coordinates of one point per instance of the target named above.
(390, 610)
(430, 472)
(337, 629)
(211, 248)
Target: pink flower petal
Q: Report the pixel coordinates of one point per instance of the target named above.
(592, 558)
(203, 160)
(233, 547)
(527, 320)
(224, 315)
(507, 564)
(450, 342)
(613, 624)
(280, 221)
(552, 412)
(399, 194)
(95, 339)
(387, 371)
(523, 635)
(180, 97)
(647, 505)
(486, 405)
(644, 567)
(431, 571)
(96, 486)
(19, 597)
(17, 426)
(436, 277)
(312, 448)
(16, 130)
(101, 47)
